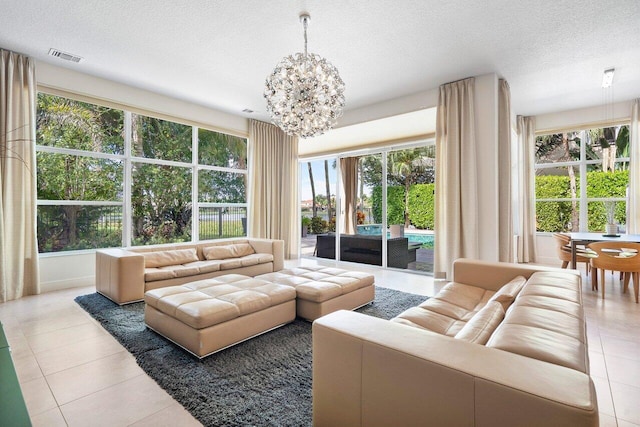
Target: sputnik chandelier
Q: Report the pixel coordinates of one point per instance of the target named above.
(304, 93)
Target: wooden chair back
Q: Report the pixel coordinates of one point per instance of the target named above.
(616, 261)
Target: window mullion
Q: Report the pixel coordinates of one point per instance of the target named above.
(195, 207)
(584, 217)
(127, 214)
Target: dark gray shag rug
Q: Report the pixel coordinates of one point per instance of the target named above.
(263, 381)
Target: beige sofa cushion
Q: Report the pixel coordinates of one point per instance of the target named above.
(429, 320)
(165, 258)
(228, 251)
(546, 322)
(541, 344)
(509, 292)
(480, 327)
(448, 311)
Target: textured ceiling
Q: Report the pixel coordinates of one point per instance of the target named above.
(218, 53)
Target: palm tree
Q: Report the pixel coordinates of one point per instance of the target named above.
(406, 166)
(328, 188)
(314, 208)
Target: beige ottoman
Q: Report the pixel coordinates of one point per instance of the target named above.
(209, 315)
(323, 290)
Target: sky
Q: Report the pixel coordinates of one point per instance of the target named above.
(318, 179)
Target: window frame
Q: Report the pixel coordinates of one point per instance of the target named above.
(128, 159)
(582, 164)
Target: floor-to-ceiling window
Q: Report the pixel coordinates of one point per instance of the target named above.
(109, 178)
(410, 203)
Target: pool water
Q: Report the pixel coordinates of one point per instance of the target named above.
(418, 238)
(376, 229)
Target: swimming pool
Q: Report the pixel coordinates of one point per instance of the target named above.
(376, 229)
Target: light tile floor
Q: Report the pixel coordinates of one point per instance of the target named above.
(72, 372)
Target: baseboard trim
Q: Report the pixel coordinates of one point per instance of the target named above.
(76, 282)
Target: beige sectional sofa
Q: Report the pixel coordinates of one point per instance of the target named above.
(501, 345)
(124, 275)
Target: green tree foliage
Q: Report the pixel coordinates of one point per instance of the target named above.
(421, 206)
(421, 171)
(395, 204)
(408, 167)
(161, 204)
(76, 125)
(622, 146)
(219, 149)
(318, 225)
(160, 194)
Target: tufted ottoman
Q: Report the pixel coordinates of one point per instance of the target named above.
(209, 315)
(323, 290)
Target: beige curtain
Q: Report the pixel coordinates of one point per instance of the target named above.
(633, 219)
(526, 190)
(456, 220)
(273, 193)
(505, 217)
(18, 197)
(349, 170)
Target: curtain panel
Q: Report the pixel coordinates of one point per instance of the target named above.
(526, 189)
(273, 192)
(456, 204)
(633, 221)
(505, 215)
(18, 196)
(349, 171)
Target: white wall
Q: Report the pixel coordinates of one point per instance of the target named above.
(393, 107)
(126, 96)
(61, 271)
(583, 117)
(416, 125)
(546, 250)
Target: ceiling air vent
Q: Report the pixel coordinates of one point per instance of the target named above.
(66, 56)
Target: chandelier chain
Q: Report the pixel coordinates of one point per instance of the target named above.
(305, 22)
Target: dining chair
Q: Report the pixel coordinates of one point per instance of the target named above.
(563, 249)
(616, 256)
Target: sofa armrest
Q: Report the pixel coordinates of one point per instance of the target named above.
(493, 275)
(270, 246)
(369, 371)
(120, 275)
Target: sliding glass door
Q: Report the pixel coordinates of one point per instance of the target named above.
(410, 207)
(381, 204)
(318, 182)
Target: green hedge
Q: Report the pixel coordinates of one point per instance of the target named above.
(421, 206)
(606, 184)
(395, 204)
(553, 216)
(421, 212)
(556, 216)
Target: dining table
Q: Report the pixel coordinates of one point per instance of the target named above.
(581, 238)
